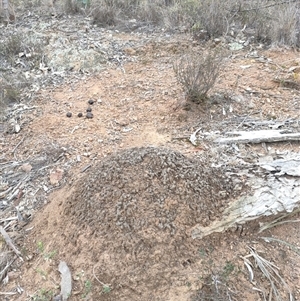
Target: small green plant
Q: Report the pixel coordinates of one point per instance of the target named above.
(202, 253)
(42, 273)
(87, 288)
(50, 255)
(40, 246)
(106, 289)
(41, 250)
(188, 284)
(42, 295)
(197, 73)
(228, 269)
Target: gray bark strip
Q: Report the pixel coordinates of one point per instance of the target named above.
(276, 189)
(259, 136)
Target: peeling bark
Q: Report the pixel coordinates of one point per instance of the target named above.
(276, 188)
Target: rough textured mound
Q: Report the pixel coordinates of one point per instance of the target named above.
(141, 203)
(149, 188)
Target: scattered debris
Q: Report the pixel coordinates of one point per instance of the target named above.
(271, 272)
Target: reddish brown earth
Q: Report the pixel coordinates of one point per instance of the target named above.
(142, 105)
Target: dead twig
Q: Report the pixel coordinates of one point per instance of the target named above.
(291, 246)
(104, 285)
(7, 293)
(5, 269)
(14, 150)
(9, 242)
(85, 168)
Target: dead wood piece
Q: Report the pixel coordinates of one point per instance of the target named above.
(85, 168)
(3, 272)
(9, 241)
(4, 193)
(283, 166)
(15, 148)
(7, 293)
(271, 195)
(66, 280)
(259, 136)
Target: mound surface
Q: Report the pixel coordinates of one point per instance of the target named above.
(139, 204)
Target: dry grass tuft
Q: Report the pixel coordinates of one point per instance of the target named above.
(198, 72)
(215, 289)
(271, 272)
(276, 22)
(106, 15)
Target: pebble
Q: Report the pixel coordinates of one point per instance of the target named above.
(89, 109)
(91, 101)
(69, 114)
(26, 167)
(80, 115)
(89, 115)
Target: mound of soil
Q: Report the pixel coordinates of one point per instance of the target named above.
(139, 205)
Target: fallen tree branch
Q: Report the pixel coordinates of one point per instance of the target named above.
(259, 136)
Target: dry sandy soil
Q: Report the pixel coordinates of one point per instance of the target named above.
(118, 216)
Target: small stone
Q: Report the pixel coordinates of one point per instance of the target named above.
(80, 115)
(69, 114)
(91, 101)
(26, 167)
(12, 275)
(89, 109)
(89, 115)
(129, 51)
(56, 176)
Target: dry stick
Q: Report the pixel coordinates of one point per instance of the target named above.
(14, 150)
(4, 193)
(8, 293)
(9, 242)
(86, 167)
(6, 267)
(103, 284)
